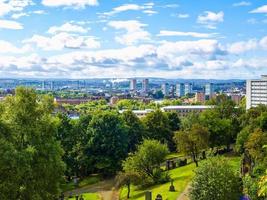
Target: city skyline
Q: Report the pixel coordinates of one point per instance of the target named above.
(124, 39)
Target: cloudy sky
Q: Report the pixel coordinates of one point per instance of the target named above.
(128, 38)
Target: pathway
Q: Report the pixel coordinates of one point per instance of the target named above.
(184, 194)
(104, 188)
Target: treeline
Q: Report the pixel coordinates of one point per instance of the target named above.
(98, 142)
(39, 147)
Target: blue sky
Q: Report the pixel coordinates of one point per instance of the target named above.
(220, 39)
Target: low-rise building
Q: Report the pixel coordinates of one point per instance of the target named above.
(186, 109)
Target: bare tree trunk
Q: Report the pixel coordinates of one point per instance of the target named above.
(129, 189)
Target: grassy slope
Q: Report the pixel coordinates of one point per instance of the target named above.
(181, 176)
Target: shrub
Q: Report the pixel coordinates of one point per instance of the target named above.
(215, 179)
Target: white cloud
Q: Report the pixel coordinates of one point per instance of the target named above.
(210, 19)
(7, 47)
(190, 34)
(134, 31)
(38, 12)
(13, 6)
(183, 16)
(19, 15)
(243, 46)
(262, 9)
(150, 12)
(170, 6)
(70, 3)
(242, 3)
(63, 40)
(263, 42)
(67, 27)
(146, 8)
(8, 24)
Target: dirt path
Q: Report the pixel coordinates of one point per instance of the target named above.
(184, 195)
(104, 188)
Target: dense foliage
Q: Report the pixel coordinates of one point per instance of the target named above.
(30, 164)
(215, 179)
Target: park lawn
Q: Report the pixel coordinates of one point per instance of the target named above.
(84, 182)
(174, 155)
(89, 196)
(181, 177)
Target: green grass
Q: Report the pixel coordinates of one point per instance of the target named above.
(89, 196)
(174, 155)
(181, 176)
(84, 182)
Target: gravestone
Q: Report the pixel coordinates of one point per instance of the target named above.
(173, 165)
(167, 165)
(172, 188)
(81, 198)
(148, 195)
(159, 197)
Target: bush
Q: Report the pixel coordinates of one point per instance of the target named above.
(215, 179)
(251, 188)
(160, 176)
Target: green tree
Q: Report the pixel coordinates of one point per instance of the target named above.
(174, 121)
(108, 142)
(157, 127)
(215, 179)
(255, 143)
(147, 159)
(126, 179)
(192, 141)
(136, 130)
(30, 164)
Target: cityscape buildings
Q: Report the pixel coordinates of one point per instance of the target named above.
(256, 92)
(180, 89)
(145, 85)
(165, 89)
(188, 88)
(133, 85)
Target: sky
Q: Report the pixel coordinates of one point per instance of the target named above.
(80, 39)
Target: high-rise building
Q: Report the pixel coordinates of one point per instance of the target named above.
(209, 90)
(165, 89)
(145, 85)
(180, 90)
(133, 85)
(200, 97)
(256, 92)
(188, 88)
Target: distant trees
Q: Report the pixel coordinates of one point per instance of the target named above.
(215, 179)
(30, 164)
(192, 141)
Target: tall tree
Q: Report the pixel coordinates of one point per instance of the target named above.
(30, 164)
(136, 130)
(192, 141)
(255, 143)
(158, 128)
(108, 142)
